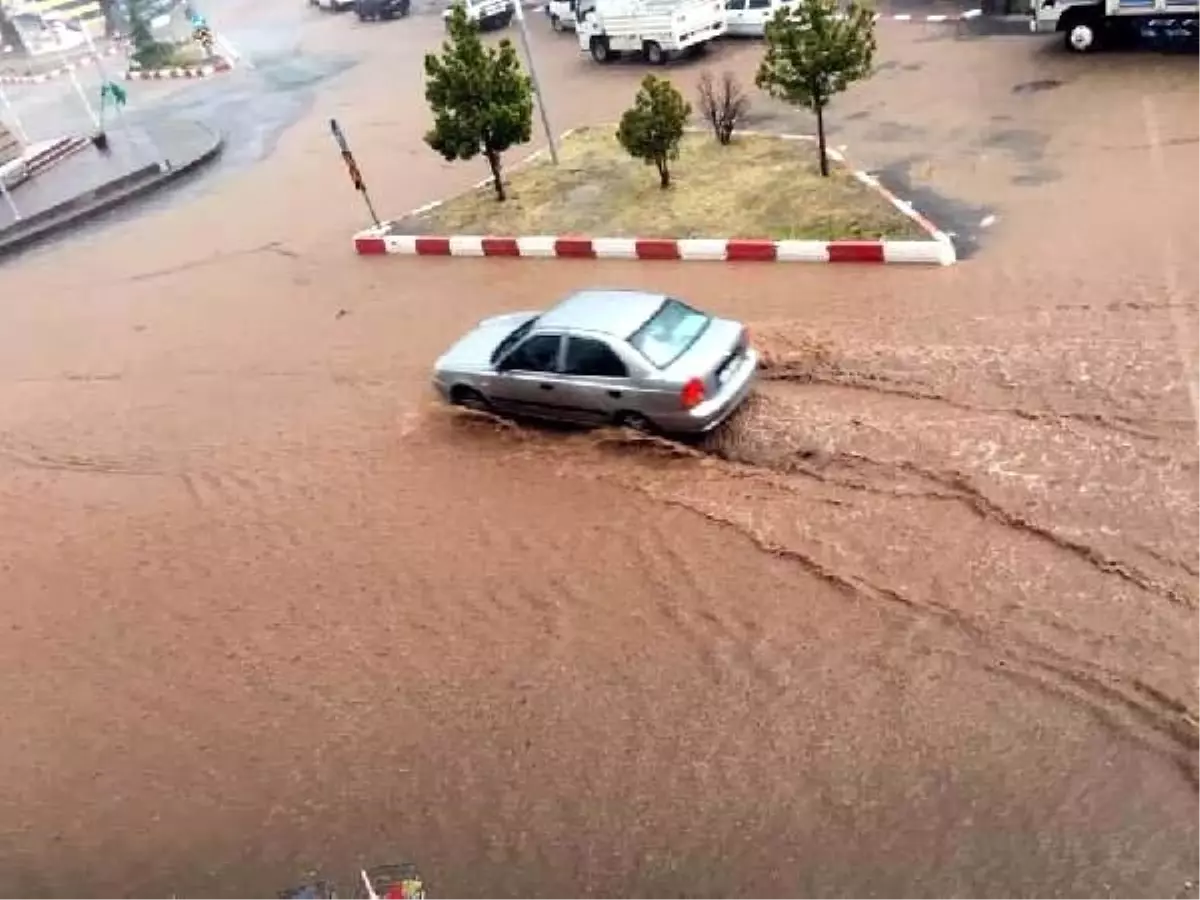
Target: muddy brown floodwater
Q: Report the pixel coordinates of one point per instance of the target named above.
(921, 621)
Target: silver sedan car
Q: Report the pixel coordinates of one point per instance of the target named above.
(643, 360)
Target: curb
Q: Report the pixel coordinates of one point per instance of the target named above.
(221, 65)
(83, 62)
(77, 210)
(937, 250)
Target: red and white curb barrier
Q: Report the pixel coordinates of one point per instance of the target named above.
(685, 249)
(221, 65)
(938, 249)
(965, 16)
(82, 63)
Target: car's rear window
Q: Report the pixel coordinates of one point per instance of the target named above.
(667, 334)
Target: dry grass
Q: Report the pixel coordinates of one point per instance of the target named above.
(759, 187)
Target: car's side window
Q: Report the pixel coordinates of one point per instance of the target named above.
(593, 358)
(734, 5)
(537, 354)
(759, 4)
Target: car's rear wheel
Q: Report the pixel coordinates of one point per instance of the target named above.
(469, 398)
(556, 23)
(636, 422)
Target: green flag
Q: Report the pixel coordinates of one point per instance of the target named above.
(110, 91)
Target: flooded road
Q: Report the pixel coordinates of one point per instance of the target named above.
(921, 621)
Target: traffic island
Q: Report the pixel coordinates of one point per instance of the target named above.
(761, 198)
(91, 181)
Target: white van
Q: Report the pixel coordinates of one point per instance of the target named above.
(657, 29)
(749, 18)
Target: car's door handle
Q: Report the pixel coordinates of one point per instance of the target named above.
(614, 393)
(546, 387)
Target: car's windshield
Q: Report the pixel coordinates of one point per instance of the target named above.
(509, 342)
(667, 334)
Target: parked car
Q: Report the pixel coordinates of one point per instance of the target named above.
(487, 13)
(644, 360)
(749, 18)
(561, 14)
(381, 9)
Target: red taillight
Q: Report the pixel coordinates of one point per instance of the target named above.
(692, 393)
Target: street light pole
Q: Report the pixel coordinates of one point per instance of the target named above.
(16, 213)
(13, 117)
(537, 87)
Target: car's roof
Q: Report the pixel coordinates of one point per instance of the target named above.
(614, 312)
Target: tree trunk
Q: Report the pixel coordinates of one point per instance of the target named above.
(821, 139)
(664, 174)
(497, 181)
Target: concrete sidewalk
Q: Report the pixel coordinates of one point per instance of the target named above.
(91, 182)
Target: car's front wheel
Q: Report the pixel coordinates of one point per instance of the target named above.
(469, 398)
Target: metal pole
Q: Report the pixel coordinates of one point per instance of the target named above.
(9, 200)
(12, 115)
(537, 87)
(70, 67)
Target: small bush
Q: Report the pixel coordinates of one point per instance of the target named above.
(723, 105)
(653, 127)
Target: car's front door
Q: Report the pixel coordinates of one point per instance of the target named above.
(735, 15)
(758, 13)
(596, 381)
(527, 378)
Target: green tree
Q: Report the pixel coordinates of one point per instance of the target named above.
(482, 102)
(652, 128)
(816, 50)
(149, 52)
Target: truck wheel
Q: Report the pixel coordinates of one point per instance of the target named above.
(653, 53)
(600, 51)
(1080, 34)
(556, 22)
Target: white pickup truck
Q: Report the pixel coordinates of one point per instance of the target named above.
(657, 29)
(1085, 24)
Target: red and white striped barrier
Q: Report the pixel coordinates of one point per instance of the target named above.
(937, 249)
(82, 63)
(220, 65)
(931, 252)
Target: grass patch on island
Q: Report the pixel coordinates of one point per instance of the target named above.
(758, 187)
